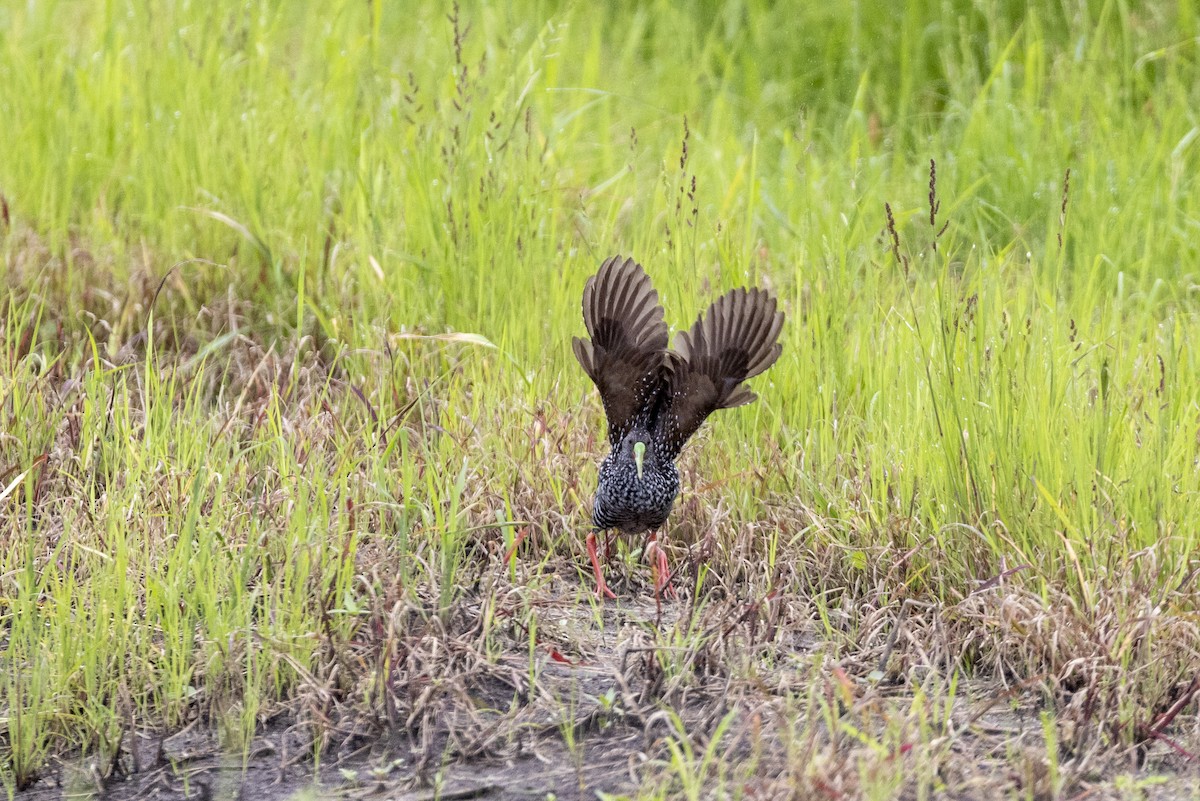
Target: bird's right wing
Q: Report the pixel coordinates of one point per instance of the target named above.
(626, 354)
(734, 340)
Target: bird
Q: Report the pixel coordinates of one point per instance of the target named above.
(655, 398)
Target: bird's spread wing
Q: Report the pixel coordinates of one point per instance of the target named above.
(734, 340)
(627, 350)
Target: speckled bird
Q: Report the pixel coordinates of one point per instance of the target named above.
(656, 398)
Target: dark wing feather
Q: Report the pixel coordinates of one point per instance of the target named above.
(626, 353)
(736, 339)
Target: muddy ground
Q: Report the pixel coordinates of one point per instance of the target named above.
(596, 724)
(193, 767)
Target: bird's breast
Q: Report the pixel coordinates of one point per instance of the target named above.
(630, 503)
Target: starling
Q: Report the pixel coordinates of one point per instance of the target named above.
(656, 398)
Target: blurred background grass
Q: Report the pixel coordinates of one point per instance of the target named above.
(325, 176)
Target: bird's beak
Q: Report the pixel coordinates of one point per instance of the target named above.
(639, 455)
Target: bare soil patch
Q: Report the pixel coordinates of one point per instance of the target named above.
(608, 720)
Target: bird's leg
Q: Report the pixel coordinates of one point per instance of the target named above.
(609, 542)
(602, 590)
(659, 567)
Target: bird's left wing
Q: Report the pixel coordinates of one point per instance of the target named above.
(626, 353)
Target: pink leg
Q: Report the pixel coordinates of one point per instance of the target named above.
(659, 568)
(602, 590)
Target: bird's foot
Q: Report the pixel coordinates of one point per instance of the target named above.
(602, 590)
(660, 569)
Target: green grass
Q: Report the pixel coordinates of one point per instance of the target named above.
(237, 476)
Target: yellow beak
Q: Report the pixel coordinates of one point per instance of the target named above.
(639, 455)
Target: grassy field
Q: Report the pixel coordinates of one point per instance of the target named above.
(286, 378)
